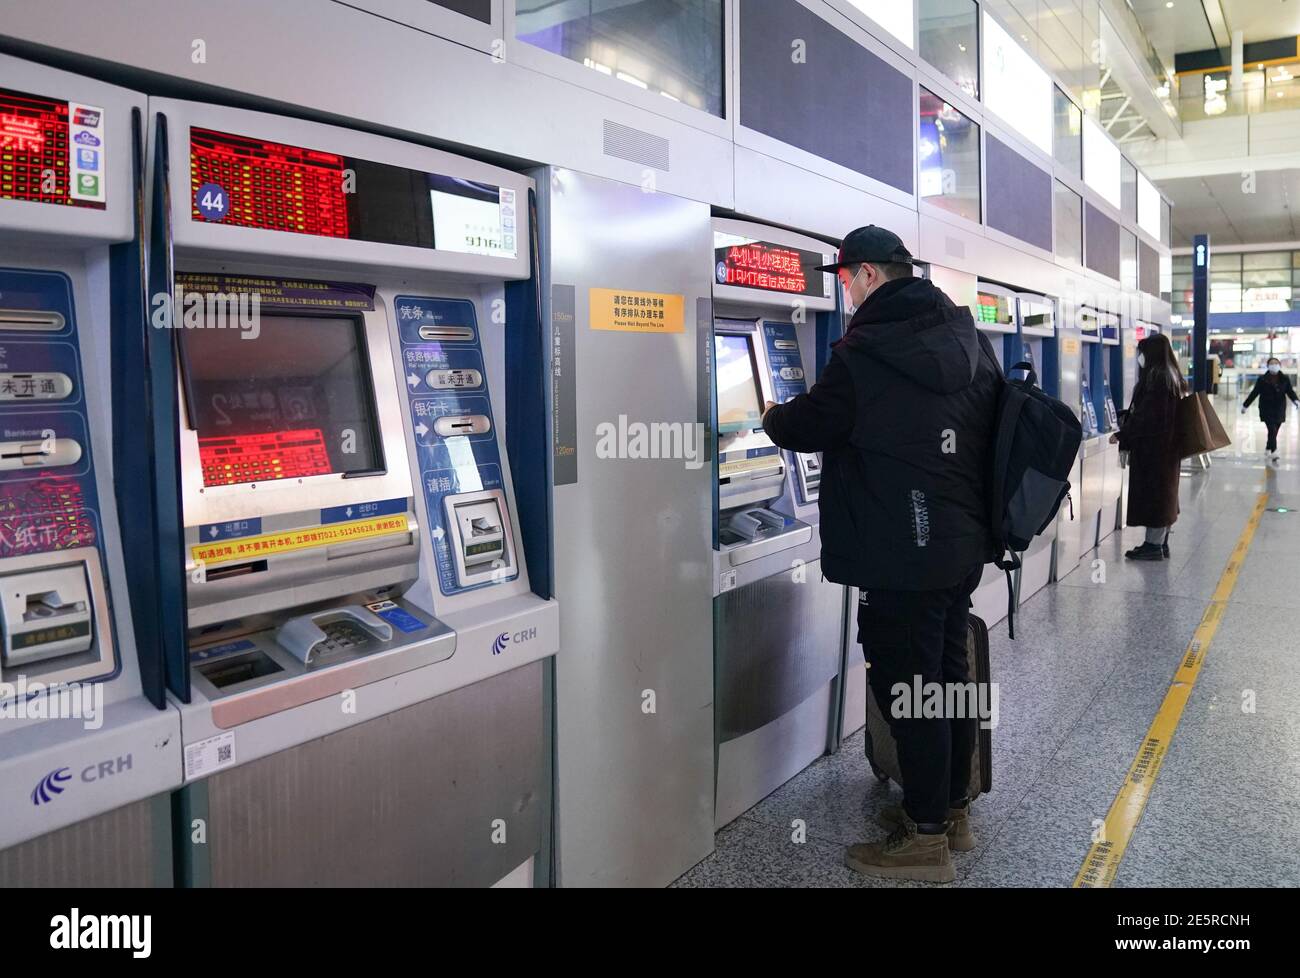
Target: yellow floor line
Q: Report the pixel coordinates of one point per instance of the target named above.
(1103, 859)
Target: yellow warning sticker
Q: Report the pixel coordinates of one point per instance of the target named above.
(637, 312)
(268, 544)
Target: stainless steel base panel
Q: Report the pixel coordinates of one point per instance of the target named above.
(753, 766)
(777, 651)
(453, 791)
(130, 847)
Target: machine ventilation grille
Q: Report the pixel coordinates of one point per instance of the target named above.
(636, 146)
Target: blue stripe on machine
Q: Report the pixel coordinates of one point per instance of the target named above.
(363, 511)
(230, 530)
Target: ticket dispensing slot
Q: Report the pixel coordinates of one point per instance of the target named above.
(480, 535)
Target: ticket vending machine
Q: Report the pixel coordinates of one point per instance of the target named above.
(89, 749)
(361, 669)
(1111, 370)
(1075, 534)
(996, 315)
(1124, 369)
(778, 626)
(1036, 315)
(1093, 449)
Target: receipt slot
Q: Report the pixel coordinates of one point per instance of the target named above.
(358, 598)
(778, 626)
(81, 679)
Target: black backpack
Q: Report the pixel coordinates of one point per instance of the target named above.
(1035, 444)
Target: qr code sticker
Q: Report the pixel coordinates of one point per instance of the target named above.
(223, 754)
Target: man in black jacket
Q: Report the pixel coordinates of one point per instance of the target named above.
(904, 415)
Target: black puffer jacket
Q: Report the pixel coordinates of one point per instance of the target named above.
(904, 416)
(1272, 391)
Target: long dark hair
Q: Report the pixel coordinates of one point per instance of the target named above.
(1276, 378)
(1161, 373)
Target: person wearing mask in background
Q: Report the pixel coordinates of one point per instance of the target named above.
(904, 413)
(1148, 432)
(1273, 388)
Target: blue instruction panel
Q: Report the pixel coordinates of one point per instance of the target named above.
(785, 364)
(49, 502)
(446, 387)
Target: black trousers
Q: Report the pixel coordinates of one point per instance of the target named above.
(1272, 435)
(911, 636)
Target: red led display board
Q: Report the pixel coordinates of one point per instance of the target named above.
(240, 459)
(770, 268)
(51, 152)
(267, 185)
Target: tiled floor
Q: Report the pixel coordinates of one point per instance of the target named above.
(1077, 692)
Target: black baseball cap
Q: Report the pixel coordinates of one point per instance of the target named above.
(869, 244)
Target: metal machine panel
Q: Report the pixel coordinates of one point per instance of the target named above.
(407, 799)
(128, 847)
(768, 664)
(853, 706)
(632, 536)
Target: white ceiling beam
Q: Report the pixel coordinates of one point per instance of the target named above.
(1119, 112)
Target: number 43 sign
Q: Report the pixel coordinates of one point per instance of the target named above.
(211, 202)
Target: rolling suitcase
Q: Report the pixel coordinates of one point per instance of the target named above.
(882, 754)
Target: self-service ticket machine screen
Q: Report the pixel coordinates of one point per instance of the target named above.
(87, 744)
(353, 546)
(775, 618)
(751, 470)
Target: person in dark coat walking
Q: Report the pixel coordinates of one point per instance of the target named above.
(904, 414)
(1273, 388)
(1149, 433)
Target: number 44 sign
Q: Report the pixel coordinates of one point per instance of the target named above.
(211, 201)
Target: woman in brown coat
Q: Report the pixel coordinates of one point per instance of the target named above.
(1149, 434)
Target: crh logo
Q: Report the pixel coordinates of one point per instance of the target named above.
(55, 783)
(505, 638)
(50, 785)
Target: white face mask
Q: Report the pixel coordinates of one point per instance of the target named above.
(1275, 368)
(1142, 360)
(849, 305)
